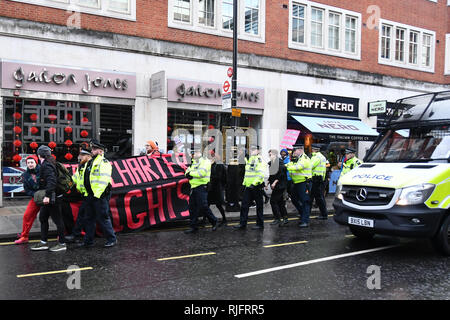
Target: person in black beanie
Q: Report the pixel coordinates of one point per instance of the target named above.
(51, 208)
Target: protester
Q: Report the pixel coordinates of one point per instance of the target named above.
(255, 170)
(83, 157)
(152, 148)
(95, 185)
(199, 176)
(300, 171)
(319, 171)
(30, 180)
(351, 161)
(51, 208)
(278, 183)
(218, 181)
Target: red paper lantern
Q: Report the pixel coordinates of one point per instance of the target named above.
(68, 130)
(33, 145)
(17, 129)
(210, 126)
(52, 145)
(69, 116)
(84, 120)
(16, 158)
(17, 143)
(52, 117)
(68, 156)
(17, 115)
(34, 130)
(52, 130)
(169, 129)
(84, 133)
(68, 143)
(33, 117)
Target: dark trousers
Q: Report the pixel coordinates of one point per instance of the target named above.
(53, 211)
(301, 191)
(97, 210)
(81, 220)
(278, 204)
(198, 205)
(252, 194)
(317, 193)
(294, 198)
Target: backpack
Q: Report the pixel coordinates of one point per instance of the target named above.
(64, 181)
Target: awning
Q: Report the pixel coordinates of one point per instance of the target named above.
(340, 129)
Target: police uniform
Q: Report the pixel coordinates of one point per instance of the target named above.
(255, 169)
(94, 182)
(319, 170)
(350, 163)
(300, 172)
(199, 174)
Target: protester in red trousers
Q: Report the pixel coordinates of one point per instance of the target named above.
(31, 185)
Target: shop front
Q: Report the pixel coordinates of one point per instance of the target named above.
(196, 106)
(61, 107)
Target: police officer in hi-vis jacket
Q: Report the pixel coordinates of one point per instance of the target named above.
(300, 171)
(319, 171)
(351, 162)
(199, 174)
(94, 182)
(255, 171)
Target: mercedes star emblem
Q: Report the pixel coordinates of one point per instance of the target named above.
(361, 194)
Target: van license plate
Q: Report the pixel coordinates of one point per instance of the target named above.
(360, 222)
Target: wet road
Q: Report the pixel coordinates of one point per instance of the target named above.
(283, 263)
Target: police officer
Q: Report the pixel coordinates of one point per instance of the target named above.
(199, 174)
(300, 171)
(96, 187)
(319, 170)
(255, 170)
(351, 162)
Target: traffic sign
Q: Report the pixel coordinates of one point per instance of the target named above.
(230, 72)
(235, 112)
(226, 87)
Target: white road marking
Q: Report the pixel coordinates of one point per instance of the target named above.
(304, 263)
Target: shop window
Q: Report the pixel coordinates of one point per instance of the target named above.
(28, 124)
(116, 131)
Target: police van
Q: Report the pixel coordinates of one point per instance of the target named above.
(403, 186)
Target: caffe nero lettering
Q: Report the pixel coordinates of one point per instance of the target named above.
(45, 77)
(324, 105)
(199, 91)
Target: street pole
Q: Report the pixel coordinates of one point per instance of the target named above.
(235, 51)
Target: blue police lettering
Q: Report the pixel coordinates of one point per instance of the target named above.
(373, 176)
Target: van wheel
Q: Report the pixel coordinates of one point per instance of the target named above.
(362, 234)
(441, 241)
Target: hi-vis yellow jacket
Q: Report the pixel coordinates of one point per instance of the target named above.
(200, 171)
(255, 170)
(300, 171)
(99, 178)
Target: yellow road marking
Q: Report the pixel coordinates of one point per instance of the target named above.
(188, 256)
(52, 272)
(284, 244)
(350, 236)
(30, 241)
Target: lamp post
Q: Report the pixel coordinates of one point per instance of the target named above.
(235, 51)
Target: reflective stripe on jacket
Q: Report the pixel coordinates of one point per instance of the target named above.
(318, 164)
(350, 164)
(99, 178)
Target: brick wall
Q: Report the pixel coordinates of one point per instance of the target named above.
(152, 23)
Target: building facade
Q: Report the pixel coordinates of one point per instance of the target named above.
(128, 71)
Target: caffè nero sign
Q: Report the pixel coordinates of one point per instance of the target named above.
(23, 76)
(321, 104)
(211, 93)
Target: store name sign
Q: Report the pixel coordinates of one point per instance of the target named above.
(24, 76)
(211, 93)
(321, 104)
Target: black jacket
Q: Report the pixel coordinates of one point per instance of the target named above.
(47, 178)
(30, 180)
(280, 175)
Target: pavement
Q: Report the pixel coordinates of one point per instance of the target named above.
(11, 215)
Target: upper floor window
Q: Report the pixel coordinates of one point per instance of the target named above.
(324, 29)
(120, 9)
(406, 46)
(216, 17)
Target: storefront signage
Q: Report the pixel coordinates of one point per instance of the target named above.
(320, 104)
(22, 76)
(377, 107)
(211, 93)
